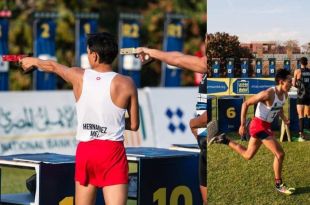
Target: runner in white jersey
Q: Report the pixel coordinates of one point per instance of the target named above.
(268, 113)
(270, 104)
(102, 98)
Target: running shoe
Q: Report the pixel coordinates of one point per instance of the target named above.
(300, 139)
(285, 190)
(220, 139)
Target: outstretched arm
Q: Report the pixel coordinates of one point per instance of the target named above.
(177, 59)
(68, 74)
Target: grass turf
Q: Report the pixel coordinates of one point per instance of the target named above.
(233, 180)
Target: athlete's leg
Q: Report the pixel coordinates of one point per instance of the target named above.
(300, 111)
(307, 111)
(85, 195)
(115, 194)
(249, 152)
(204, 191)
(273, 145)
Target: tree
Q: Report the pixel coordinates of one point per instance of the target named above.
(223, 46)
(306, 48)
(292, 46)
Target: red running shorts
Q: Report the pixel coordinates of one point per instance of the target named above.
(101, 163)
(260, 129)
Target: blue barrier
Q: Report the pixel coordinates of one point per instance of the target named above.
(244, 67)
(272, 67)
(229, 109)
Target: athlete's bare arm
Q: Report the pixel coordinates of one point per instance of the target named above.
(283, 117)
(132, 123)
(177, 59)
(73, 75)
(296, 77)
(124, 95)
(262, 96)
(199, 121)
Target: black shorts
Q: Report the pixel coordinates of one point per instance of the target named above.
(262, 135)
(303, 101)
(203, 162)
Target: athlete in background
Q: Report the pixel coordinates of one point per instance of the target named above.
(301, 80)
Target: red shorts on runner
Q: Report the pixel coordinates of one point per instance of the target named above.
(101, 163)
(257, 126)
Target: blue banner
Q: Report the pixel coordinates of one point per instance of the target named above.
(272, 67)
(4, 66)
(218, 86)
(244, 67)
(83, 27)
(129, 36)
(244, 86)
(215, 67)
(44, 48)
(259, 67)
(230, 67)
(173, 41)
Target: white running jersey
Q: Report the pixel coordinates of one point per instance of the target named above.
(98, 117)
(266, 113)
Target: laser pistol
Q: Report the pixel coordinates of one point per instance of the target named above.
(16, 58)
(133, 51)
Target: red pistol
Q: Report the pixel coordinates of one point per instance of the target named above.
(13, 58)
(17, 58)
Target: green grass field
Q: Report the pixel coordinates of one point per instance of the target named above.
(233, 180)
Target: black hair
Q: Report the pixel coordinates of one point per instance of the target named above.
(303, 61)
(104, 44)
(281, 75)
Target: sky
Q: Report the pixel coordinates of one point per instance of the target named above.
(261, 20)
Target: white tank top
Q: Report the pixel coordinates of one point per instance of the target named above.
(98, 117)
(266, 113)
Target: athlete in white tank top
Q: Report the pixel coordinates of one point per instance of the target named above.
(98, 117)
(267, 113)
(102, 97)
(269, 105)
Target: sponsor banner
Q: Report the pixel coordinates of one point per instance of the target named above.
(249, 86)
(218, 86)
(45, 121)
(37, 122)
(172, 108)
